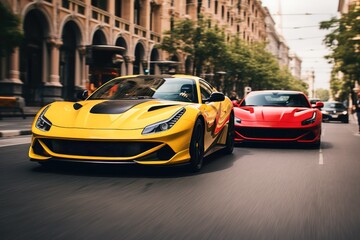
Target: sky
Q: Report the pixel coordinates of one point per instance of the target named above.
(299, 25)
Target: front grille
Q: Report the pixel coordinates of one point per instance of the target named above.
(98, 148)
(273, 133)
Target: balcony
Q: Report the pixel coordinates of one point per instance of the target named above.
(100, 15)
(155, 37)
(140, 31)
(74, 6)
(122, 24)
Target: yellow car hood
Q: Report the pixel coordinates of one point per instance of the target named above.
(111, 114)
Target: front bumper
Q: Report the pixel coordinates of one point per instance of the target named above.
(111, 146)
(270, 134)
(336, 117)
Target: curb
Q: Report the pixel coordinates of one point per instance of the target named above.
(14, 133)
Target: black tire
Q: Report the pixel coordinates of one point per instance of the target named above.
(197, 147)
(345, 120)
(230, 141)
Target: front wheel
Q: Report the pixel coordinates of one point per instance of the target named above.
(197, 147)
(230, 141)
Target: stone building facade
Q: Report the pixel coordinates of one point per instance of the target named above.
(295, 65)
(80, 44)
(275, 42)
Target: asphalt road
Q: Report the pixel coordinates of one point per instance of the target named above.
(259, 192)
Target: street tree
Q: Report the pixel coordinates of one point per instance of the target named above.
(203, 44)
(344, 43)
(253, 66)
(232, 63)
(11, 35)
(322, 94)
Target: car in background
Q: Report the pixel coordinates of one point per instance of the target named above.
(335, 111)
(146, 119)
(278, 116)
(325, 116)
(314, 100)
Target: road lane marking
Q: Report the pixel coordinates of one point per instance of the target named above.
(321, 157)
(6, 142)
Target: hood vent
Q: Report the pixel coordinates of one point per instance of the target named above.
(159, 107)
(115, 106)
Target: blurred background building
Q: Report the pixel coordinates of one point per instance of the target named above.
(80, 44)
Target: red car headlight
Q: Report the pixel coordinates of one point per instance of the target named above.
(309, 120)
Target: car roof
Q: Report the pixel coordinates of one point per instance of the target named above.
(277, 91)
(169, 76)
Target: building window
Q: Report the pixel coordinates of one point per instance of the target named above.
(99, 4)
(209, 3)
(65, 4)
(199, 7)
(222, 11)
(118, 7)
(137, 9)
(216, 6)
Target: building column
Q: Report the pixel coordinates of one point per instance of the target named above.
(52, 89)
(84, 69)
(14, 72)
(130, 64)
(11, 85)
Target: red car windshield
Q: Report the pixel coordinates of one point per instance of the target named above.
(276, 100)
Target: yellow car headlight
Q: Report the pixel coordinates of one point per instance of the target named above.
(164, 125)
(42, 123)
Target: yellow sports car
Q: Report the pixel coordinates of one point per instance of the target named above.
(145, 119)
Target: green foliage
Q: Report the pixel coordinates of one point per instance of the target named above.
(244, 64)
(344, 42)
(322, 94)
(197, 40)
(10, 34)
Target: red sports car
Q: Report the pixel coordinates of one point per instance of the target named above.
(277, 116)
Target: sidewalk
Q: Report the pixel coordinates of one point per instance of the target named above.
(12, 125)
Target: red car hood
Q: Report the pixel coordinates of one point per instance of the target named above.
(273, 114)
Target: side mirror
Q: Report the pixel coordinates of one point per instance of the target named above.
(216, 97)
(318, 105)
(236, 103)
(82, 95)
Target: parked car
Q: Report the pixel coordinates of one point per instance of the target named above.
(314, 100)
(149, 120)
(278, 116)
(335, 111)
